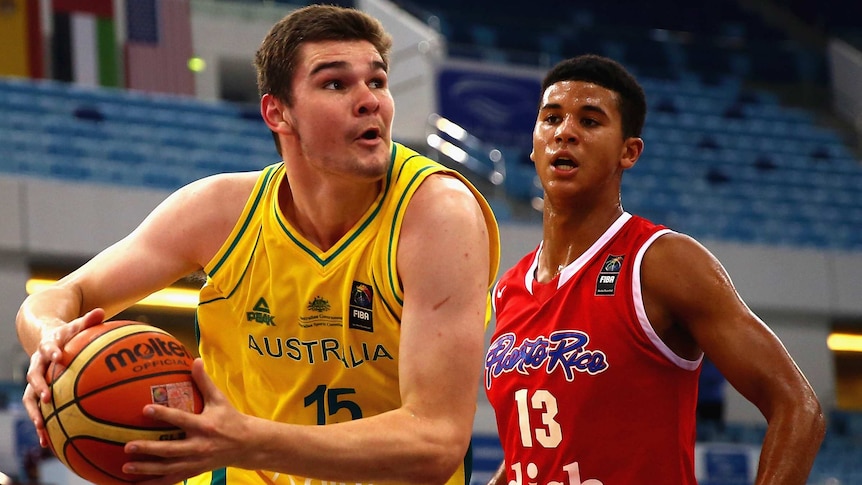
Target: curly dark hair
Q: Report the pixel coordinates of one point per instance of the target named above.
(608, 74)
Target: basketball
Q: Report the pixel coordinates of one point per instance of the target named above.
(99, 386)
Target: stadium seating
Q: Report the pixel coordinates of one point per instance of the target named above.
(721, 160)
(52, 129)
(768, 174)
(750, 171)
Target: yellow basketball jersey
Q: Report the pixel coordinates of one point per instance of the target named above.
(298, 335)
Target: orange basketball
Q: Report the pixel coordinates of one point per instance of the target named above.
(99, 386)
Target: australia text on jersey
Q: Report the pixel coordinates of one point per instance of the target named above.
(318, 351)
(563, 349)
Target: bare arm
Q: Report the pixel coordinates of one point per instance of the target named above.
(173, 241)
(687, 289)
(444, 265)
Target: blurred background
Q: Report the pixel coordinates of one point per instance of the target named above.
(753, 146)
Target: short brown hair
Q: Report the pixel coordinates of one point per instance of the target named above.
(276, 59)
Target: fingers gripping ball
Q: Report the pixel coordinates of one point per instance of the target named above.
(99, 386)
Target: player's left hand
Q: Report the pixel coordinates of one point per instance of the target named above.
(214, 438)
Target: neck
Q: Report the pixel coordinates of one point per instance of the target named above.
(566, 236)
(323, 215)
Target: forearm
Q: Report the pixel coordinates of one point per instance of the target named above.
(790, 446)
(393, 446)
(499, 477)
(41, 311)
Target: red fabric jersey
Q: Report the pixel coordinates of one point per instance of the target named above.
(584, 391)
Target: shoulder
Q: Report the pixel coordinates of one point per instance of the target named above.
(208, 208)
(216, 191)
(445, 198)
(684, 280)
(674, 251)
(444, 211)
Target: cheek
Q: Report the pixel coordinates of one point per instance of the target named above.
(541, 140)
(387, 108)
(317, 122)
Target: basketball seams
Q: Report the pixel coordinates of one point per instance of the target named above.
(87, 352)
(81, 455)
(76, 401)
(77, 444)
(83, 354)
(98, 344)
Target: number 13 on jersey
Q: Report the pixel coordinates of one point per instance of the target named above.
(548, 434)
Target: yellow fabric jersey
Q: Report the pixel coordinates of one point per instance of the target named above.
(294, 334)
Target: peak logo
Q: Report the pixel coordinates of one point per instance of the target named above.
(154, 348)
(563, 351)
(260, 314)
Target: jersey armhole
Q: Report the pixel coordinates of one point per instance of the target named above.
(640, 311)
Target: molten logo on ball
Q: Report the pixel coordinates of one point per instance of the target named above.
(154, 347)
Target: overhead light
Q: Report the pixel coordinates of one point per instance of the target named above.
(844, 342)
(171, 297)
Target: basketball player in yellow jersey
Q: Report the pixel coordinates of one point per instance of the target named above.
(347, 287)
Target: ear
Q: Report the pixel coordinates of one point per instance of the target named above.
(632, 149)
(273, 112)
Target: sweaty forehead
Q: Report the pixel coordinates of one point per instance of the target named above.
(578, 93)
(340, 53)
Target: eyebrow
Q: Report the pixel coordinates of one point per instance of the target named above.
(336, 65)
(588, 107)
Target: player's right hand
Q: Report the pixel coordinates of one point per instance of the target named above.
(51, 349)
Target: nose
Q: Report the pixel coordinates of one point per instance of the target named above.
(367, 101)
(566, 131)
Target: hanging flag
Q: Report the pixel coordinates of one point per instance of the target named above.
(20, 39)
(159, 46)
(84, 48)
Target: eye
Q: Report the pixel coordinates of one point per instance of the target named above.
(552, 119)
(334, 84)
(377, 83)
(589, 122)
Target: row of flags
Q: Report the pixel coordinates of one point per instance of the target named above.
(84, 45)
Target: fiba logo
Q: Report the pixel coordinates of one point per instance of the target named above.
(613, 264)
(361, 314)
(606, 284)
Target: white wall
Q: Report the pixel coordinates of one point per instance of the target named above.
(228, 31)
(417, 50)
(44, 220)
(8, 463)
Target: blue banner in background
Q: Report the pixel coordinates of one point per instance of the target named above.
(497, 107)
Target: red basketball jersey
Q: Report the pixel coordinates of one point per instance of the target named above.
(584, 390)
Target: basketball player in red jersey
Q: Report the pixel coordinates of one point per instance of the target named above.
(593, 365)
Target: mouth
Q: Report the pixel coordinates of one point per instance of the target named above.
(563, 162)
(370, 134)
